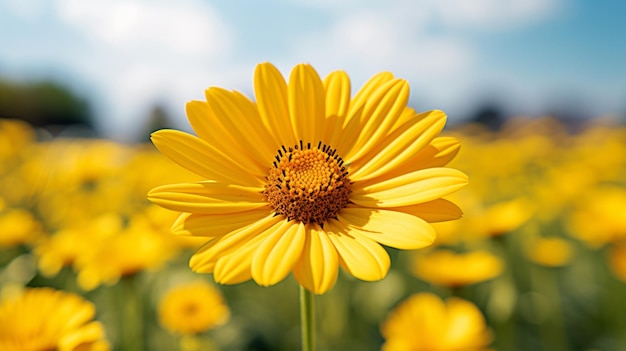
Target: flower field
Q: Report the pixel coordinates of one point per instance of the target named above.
(538, 261)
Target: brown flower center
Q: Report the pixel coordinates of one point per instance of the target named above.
(308, 184)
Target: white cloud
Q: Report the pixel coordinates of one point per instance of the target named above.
(494, 14)
(465, 14)
(366, 42)
(183, 27)
(367, 35)
(141, 52)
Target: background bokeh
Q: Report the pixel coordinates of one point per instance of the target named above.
(535, 91)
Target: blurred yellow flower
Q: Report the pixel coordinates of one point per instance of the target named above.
(502, 217)
(137, 247)
(308, 179)
(447, 268)
(424, 322)
(599, 217)
(75, 245)
(18, 226)
(41, 319)
(70, 173)
(551, 252)
(192, 308)
(14, 136)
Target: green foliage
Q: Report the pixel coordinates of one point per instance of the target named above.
(43, 104)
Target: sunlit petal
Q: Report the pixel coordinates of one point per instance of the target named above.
(204, 259)
(248, 136)
(317, 268)
(360, 256)
(306, 103)
(207, 198)
(235, 267)
(410, 189)
(272, 99)
(400, 146)
(212, 225)
(390, 228)
(277, 254)
(197, 156)
(379, 113)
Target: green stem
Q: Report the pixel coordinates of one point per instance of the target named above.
(307, 319)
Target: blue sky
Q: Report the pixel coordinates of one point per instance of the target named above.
(126, 55)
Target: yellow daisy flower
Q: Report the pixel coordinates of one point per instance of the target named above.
(308, 179)
(15, 135)
(136, 248)
(447, 268)
(502, 217)
(48, 319)
(18, 226)
(70, 246)
(192, 308)
(424, 322)
(551, 252)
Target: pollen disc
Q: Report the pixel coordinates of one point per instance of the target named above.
(308, 184)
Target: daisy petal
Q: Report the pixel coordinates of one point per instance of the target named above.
(337, 87)
(277, 254)
(212, 225)
(409, 189)
(306, 103)
(390, 228)
(235, 267)
(436, 154)
(361, 97)
(347, 138)
(234, 270)
(203, 261)
(207, 123)
(271, 94)
(439, 210)
(401, 145)
(237, 133)
(196, 155)
(379, 114)
(207, 198)
(351, 126)
(360, 256)
(317, 268)
(406, 115)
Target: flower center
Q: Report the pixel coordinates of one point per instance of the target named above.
(308, 184)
